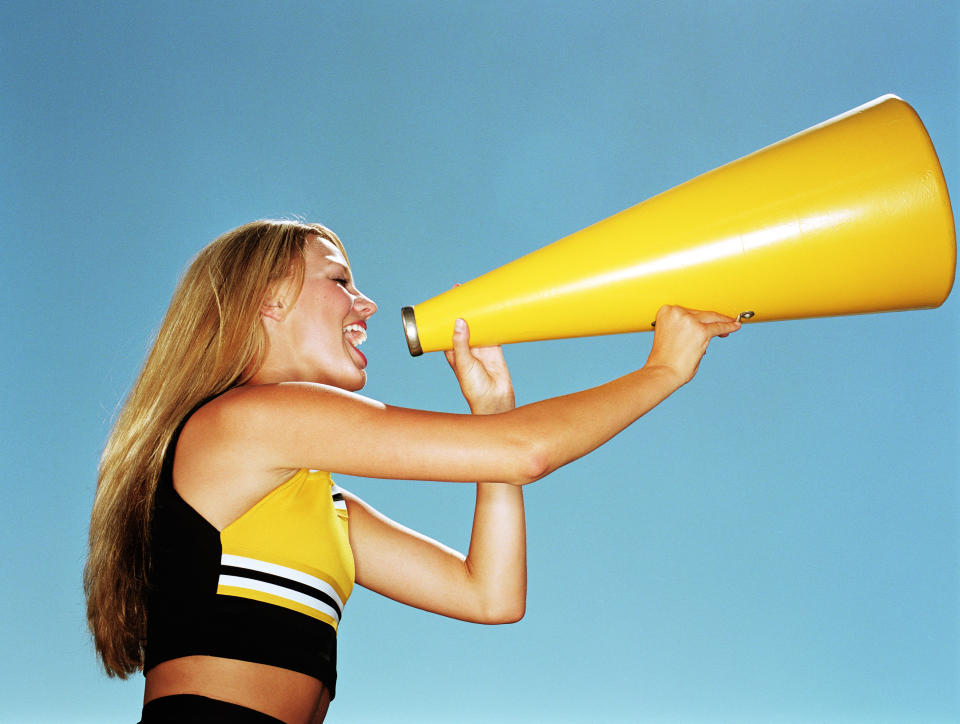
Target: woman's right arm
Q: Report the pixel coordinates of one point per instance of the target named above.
(302, 425)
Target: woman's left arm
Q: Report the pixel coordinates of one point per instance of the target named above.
(489, 585)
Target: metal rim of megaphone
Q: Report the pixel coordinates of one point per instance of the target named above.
(410, 331)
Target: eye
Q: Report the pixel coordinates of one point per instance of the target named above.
(342, 282)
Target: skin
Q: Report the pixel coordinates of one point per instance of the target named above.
(301, 410)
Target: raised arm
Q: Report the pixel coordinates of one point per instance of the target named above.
(297, 425)
(488, 585)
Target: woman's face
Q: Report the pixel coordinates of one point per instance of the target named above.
(321, 331)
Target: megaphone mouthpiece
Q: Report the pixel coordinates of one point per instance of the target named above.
(409, 320)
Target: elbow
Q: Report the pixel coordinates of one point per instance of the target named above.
(506, 612)
(513, 614)
(532, 462)
(501, 599)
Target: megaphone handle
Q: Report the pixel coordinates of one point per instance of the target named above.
(743, 315)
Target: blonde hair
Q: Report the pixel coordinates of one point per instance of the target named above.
(211, 340)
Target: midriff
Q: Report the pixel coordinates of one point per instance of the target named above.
(290, 696)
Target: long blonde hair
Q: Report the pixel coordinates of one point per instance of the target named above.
(211, 339)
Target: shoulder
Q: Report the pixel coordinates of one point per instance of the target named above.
(231, 425)
(231, 451)
(277, 426)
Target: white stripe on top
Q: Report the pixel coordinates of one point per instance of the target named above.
(338, 504)
(228, 559)
(252, 584)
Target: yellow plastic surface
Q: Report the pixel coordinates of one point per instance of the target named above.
(848, 217)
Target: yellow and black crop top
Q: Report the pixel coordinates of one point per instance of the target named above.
(268, 588)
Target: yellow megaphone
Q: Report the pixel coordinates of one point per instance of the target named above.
(848, 217)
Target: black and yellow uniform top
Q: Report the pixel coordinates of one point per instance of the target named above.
(269, 588)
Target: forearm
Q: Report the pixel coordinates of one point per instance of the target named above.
(562, 429)
(497, 559)
(571, 426)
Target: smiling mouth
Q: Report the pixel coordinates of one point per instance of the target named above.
(356, 334)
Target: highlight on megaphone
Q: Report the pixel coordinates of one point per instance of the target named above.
(848, 217)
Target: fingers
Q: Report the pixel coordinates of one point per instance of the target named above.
(481, 372)
(713, 317)
(714, 324)
(707, 316)
(722, 328)
(463, 357)
(682, 336)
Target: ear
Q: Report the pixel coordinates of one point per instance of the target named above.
(272, 309)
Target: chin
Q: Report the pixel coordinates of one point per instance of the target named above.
(352, 383)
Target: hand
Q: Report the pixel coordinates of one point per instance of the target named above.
(482, 373)
(682, 336)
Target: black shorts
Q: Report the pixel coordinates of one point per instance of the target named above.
(196, 709)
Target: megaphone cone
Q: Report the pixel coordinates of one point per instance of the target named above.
(848, 217)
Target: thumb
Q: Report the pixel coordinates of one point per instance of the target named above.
(460, 356)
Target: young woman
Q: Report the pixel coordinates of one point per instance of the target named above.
(222, 553)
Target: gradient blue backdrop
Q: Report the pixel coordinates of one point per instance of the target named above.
(777, 543)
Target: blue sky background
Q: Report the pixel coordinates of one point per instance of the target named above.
(777, 543)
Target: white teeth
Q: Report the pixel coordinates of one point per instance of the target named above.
(357, 335)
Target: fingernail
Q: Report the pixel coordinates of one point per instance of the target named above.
(459, 326)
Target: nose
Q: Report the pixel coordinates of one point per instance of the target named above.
(364, 305)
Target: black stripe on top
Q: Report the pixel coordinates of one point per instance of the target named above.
(281, 581)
